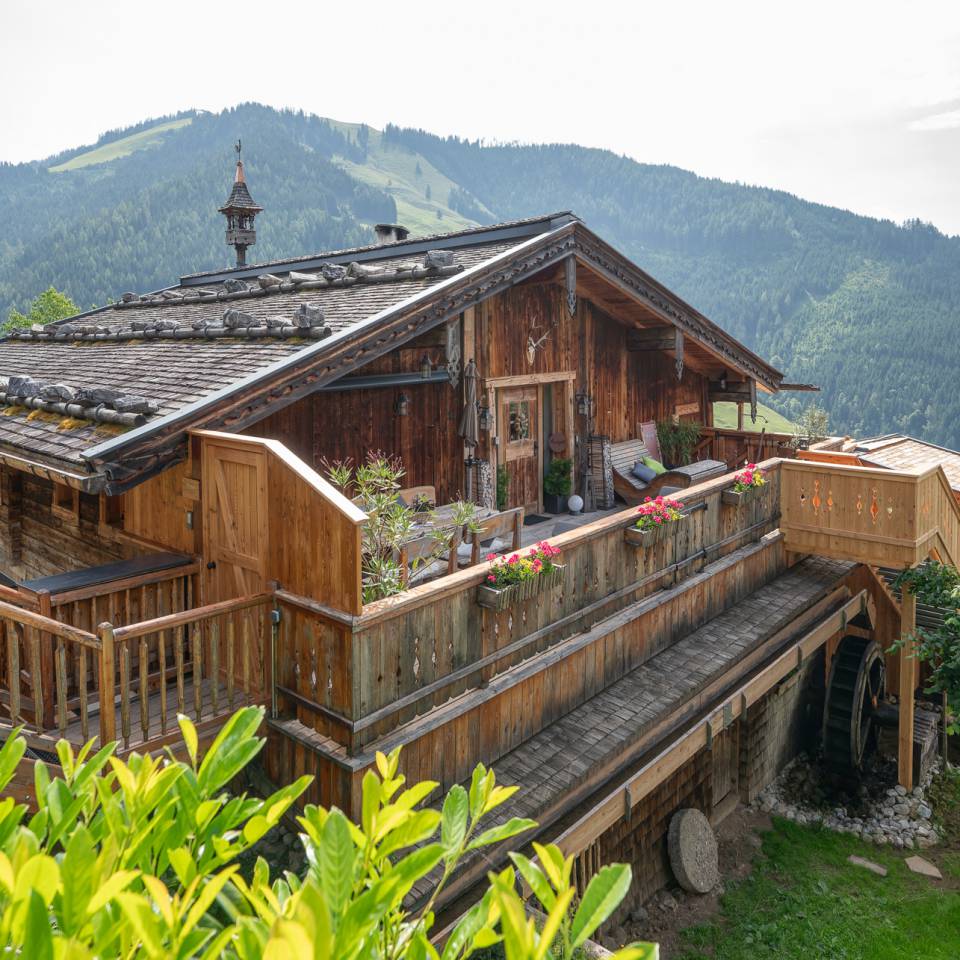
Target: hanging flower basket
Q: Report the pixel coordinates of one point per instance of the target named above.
(737, 498)
(495, 599)
(747, 486)
(520, 576)
(659, 519)
(647, 538)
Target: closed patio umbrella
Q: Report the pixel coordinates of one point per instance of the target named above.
(469, 427)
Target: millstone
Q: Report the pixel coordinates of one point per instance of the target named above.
(693, 851)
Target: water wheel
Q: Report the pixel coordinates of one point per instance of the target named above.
(854, 691)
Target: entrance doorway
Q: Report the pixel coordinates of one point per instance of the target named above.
(522, 449)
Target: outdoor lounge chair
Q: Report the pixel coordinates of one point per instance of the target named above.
(634, 491)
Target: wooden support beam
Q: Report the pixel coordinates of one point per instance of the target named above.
(908, 682)
(570, 279)
(653, 338)
(678, 352)
(753, 401)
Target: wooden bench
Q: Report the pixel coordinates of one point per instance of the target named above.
(634, 491)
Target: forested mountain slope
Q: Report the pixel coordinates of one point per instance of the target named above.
(866, 308)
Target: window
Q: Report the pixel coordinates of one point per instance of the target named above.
(66, 501)
(518, 416)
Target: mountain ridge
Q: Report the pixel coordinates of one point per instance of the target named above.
(865, 307)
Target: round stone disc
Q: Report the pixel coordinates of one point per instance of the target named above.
(693, 851)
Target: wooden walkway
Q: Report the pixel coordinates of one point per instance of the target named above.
(568, 761)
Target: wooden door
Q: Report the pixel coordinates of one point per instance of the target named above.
(234, 496)
(520, 446)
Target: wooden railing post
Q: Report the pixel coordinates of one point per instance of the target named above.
(108, 715)
(908, 682)
(46, 641)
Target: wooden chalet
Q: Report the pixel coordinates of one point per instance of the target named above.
(170, 544)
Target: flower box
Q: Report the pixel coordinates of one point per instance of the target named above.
(647, 538)
(737, 498)
(499, 599)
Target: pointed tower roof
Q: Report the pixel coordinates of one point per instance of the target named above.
(240, 199)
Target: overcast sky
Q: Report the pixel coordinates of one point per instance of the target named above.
(853, 104)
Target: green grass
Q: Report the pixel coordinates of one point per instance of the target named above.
(394, 170)
(121, 148)
(725, 417)
(804, 900)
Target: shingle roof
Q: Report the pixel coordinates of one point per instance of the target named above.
(240, 198)
(898, 452)
(174, 373)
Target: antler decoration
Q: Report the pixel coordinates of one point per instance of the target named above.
(534, 345)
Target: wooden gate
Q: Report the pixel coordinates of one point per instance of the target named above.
(235, 518)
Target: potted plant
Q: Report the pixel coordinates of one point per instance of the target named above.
(677, 441)
(520, 576)
(557, 485)
(659, 518)
(503, 482)
(747, 485)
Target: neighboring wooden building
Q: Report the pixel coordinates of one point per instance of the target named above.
(170, 542)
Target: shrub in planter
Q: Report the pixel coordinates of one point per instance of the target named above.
(677, 441)
(746, 486)
(557, 485)
(520, 576)
(503, 481)
(658, 519)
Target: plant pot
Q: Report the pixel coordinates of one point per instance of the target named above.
(555, 502)
(647, 538)
(737, 498)
(500, 599)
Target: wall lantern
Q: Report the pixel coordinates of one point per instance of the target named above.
(426, 368)
(584, 403)
(485, 419)
(402, 407)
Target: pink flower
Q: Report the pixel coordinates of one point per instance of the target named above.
(513, 559)
(491, 556)
(491, 577)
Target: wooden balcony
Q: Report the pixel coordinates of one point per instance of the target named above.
(875, 516)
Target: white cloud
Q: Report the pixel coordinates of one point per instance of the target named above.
(948, 120)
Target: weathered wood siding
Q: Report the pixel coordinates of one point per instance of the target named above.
(52, 542)
(629, 387)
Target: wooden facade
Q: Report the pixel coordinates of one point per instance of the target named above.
(263, 602)
(530, 352)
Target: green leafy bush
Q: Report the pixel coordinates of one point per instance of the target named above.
(503, 482)
(558, 482)
(137, 858)
(677, 441)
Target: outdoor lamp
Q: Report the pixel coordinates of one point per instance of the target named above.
(426, 368)
(485, 420)
(584, 403)
(402, 407)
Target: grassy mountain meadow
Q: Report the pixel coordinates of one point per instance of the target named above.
(868, 309)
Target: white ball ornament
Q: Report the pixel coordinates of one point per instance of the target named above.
(575, 504)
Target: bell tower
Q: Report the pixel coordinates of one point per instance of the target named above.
(240, 211)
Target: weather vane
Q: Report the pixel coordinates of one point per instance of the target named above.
(237, 148)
